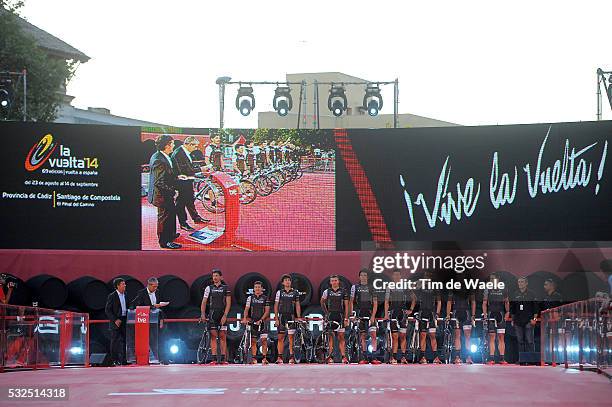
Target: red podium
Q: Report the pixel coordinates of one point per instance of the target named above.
(142, 336)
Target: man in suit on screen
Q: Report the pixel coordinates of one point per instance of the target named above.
(162, 185)
(185, 200)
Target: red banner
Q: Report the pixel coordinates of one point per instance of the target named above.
(142, 335)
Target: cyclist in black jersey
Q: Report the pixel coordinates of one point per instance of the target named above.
(462, 304)
(286, 308)
(335, 304)
(257, 308)
(430, 304)
(365, 304)
(396, 307)
(219, 300)
(496, 307)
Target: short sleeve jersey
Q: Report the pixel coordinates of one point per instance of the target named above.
(286, 301)
(334, 299)
(217, 296)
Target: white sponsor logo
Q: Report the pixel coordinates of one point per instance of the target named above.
(158, 392)
(325, 390)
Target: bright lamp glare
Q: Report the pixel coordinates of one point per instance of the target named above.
(76, 350)
(473, 348)
(174, 349)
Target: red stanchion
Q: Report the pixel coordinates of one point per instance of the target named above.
(231, 195)
(65, 336)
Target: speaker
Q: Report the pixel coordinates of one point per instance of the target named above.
(100, 359)
(529, 357)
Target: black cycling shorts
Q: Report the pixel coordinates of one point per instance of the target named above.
(214, 320)
(463, 319)
(402, 323)
(259, 330)
(427, 322)
(285, 326)
(337, 317)
(364, 324)
(497, 322)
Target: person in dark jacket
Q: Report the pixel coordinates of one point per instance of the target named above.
(524, 312)
(185, 200)
(116, 312)
(162, 186)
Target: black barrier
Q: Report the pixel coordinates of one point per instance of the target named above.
(244, 287)
(302, 284)
(132, 286)
(48, 291)
(197, 288)
(175, 290)
(88, 293)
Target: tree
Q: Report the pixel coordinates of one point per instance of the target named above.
(46, 76)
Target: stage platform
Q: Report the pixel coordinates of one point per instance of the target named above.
(337, 385)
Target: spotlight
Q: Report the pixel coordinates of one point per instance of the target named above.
(174, 349)
(473, 348)
(282, 101)
(76, 350)
(337, 102)
(372, 100)
(6, 93)
(245, 101)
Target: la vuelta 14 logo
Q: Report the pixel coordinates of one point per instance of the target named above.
(40, 153)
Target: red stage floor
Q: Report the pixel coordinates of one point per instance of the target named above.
(340, 385)
(299, 216)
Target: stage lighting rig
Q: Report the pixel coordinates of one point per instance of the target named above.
(336, 102)
(245, 100)
(282, 101)
(372, 100)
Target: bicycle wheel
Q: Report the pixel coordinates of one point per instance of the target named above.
(298, 351)
(211, 197)
(204, 348)
(388, 346)
(320, 349)
(277, 181)
(353, 347)
(446, 346)
(263, 185)
(248, 192)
